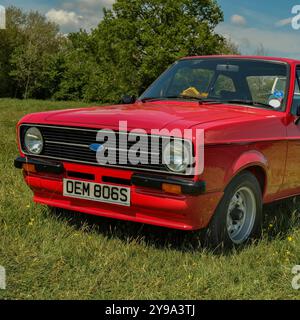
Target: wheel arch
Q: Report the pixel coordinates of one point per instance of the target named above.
(254, 162)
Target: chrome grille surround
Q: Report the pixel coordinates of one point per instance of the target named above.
(76, 141)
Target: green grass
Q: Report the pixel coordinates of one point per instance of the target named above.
(72, 256)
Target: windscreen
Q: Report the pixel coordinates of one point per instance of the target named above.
(256, 82)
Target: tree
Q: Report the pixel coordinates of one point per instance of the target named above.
(10, 38)
(77, 64)
(261, 50)
(138, 39)
(30, 58)
(133, 44)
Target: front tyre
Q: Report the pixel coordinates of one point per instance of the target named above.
(238, 217)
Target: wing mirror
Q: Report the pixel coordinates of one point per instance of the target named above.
(128, 99)
(297, 115)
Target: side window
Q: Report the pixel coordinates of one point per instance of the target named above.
(296, 100)
(224, 86)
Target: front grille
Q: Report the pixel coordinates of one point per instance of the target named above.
(73, 145)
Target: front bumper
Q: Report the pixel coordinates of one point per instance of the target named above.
(40, 165)
(190, 210)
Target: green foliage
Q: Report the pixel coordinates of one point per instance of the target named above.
(77, 63)
(133, 44)
(138, 40)
(27, 47)
(30, 59)
(10, 39)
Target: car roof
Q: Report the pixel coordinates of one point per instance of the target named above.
(286, 60)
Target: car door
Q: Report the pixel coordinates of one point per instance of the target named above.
(292, 176)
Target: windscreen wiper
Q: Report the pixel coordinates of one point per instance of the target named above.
(153, 99)
(186, 97)
(249, 102)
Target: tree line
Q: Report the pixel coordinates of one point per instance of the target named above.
(132, 45)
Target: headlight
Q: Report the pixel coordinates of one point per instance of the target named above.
(34, 141)
(176, 156)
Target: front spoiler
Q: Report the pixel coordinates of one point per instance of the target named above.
(149, 204)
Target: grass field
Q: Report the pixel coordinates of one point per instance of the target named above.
(72, 256)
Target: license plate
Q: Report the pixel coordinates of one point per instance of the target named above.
(97, 192)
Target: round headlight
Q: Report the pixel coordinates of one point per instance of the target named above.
(176, 156)
(34, 141)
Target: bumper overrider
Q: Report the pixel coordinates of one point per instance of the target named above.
(177, 203)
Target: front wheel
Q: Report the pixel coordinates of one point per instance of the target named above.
(238, 217)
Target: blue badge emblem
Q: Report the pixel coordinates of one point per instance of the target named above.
(96, 147)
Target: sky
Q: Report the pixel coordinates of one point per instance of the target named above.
(249, 24)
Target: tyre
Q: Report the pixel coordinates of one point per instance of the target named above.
(238, 217)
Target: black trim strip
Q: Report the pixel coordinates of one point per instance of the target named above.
(80, 175)
(121, 181)
(40, 165)
(188, 187)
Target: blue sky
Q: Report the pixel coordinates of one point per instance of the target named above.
(253, 24)
(248, 24)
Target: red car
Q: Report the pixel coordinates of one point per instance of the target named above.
(241, 151)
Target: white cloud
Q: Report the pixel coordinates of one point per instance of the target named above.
(238, 20)
(284, 22)
(91, 6)
(277, 43)
(84, 14)
(95, 3)
(261, 18)
(64, 18)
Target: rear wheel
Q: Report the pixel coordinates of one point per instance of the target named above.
(238, 217)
